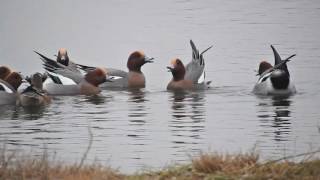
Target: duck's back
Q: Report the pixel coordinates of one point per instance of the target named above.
(119, 79)
(59, 89)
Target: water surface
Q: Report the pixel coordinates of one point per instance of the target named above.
(152, 128)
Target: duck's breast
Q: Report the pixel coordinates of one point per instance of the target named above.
(180, 85)
(136, 80)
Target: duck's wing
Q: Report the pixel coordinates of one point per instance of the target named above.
(61, 71)
(73, 67)
(116, 73)
(119, 79)
(195, 69)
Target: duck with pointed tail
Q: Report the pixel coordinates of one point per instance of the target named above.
(191, 77)
(134, 78)
(65, 81)
(274, 80)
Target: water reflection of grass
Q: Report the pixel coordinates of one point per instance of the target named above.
(206, 166)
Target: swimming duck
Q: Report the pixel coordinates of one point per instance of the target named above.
(8, 88)
(34, 94)
(64, 81)
(191, 77)
(64, 59)
(274, 80)
(121, 79)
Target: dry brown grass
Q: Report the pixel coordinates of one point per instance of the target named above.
(211, 163)
(206, 166)
(22, 167)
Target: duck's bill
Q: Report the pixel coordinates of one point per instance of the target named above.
(109, 79)
(170, 69)
(148, 59)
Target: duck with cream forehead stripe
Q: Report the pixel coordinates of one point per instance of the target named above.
(191, 77)
(134, 78)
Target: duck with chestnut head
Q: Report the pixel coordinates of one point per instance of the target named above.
(62, 60)
(190, 77)
(65, 81)
(8, 88)
(274, 80)
(134, 78)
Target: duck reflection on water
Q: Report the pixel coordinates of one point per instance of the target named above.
(187, 125)
(274, 112)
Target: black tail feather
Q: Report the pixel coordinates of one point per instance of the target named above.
(278, 60)
(85, 68)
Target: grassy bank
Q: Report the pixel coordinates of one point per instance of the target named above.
(205, 166)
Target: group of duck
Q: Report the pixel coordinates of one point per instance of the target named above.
(65, 77)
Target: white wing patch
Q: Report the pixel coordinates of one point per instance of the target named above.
(115, 77)
(6, 89)
(63, 79)
(202, 78)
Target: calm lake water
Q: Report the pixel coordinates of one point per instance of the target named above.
(152, 128)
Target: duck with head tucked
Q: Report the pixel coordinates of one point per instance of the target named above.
(9, 85)
(191, 77)
(274, 80)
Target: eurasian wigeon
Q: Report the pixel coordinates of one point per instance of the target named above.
(14, 79)
(191, 77)
(62, 60)
(64, 81)
(63, 57)
(8, 88)
(121, 79)
(34, 94)
(274, 80)
(89, 85)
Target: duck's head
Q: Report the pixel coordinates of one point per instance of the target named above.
(136, 60)
(97, 76)
(14, 79)
(4, 72)
(177, 69)
(63, 57)
(37, 80)
(263, 66)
